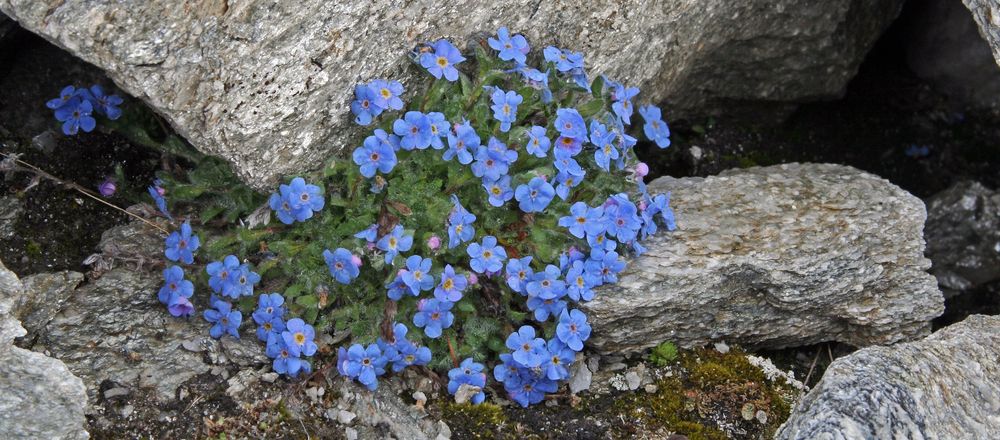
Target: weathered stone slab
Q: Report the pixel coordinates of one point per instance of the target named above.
(944, 387)
(267, 85)
(772, 257)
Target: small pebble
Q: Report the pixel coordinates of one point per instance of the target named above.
(351, 433)
(127, 410)
(346, 417)
(748, 411)
(419, 396)
(269, 377)
(651, 388)
(444, 432)
(633, 380)
(617, 366)
(762, 417)
(115, 392)
(722, 347)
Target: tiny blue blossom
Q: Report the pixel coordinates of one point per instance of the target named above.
(417, 276)
(655, 129)
(299, 337)
(75, 116)
(543, 308)
(557, 361)
(535, 195)
(565, 181)
(394, 243)
(387, 94)
(369, 234)
(538, 142)
(462, 143)
(224, 320)
(573, 329)
(442, 60)
(565, 60)
(439, 128)
(510, 47)
(499, 191)
(181, 245)
(222, 273)
(365, 365)
(103, 103)
(375, 155)
(414, 131)
(528, 350)
(468, 373)
(569, 123)
(433, 317)
(451, 286)
(547, 284)
(155, 191)
(604, 141)
(364, 107)
(622, 105)
(269, 315)
(487, 257)
(342, 266)
(505, 107)
(580, 282)
(519, 274)
(460, 221)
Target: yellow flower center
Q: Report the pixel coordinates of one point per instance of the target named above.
(442, 61)
(300, 338)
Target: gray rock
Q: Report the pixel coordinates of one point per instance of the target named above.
(10, 210)
(772, 257)
(40, 397)
(963, 235)
(580, 377)
(115, 329)
(943, 46)
(946, 386)
(987, 15)
(383, 414)
(267, 85)
(43, 297)
(632, 380)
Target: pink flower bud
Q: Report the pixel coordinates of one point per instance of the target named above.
(641, 169)
(356, 260)
(434, 243)
(642, 205)
(371, 245)
(473, 279)
(108, 187)
(421, 304)
(161, 190)
(401, 272)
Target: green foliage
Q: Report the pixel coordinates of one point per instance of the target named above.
(664, 354)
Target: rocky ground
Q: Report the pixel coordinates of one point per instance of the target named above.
(138, 374)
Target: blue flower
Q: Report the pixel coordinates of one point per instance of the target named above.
(451, 286)
(622, 105)
(365, 365)
(369, 234)
(535, 196)
(282, 209)
(603, 140)
(661, 205)
(528, 350)
(601, 242)
(490, 164)
(417, 276)
(375, 155)
(65, 96)
(299, 337)
(570, 124)
(538, 143)
(269, 315)
(342, 265)
(442, 61)
(566, 181)
(519, 274)
(363, 106)
(558, 359)
(397, 288)
(547, 285)
(531, 389)
(408, 354)
(488, 257)
(567, 164)
(161, 202)
(537, 80)
(284, 361)
(462, 143)
(573, 329)
(622, 219)
(414, 131)
(180, 245)
(505, 107)
(439, 127)
(577, 220)
(304, 198)
(460, 221)
(568, 146)
(103, 103)
(604, 265)
(174, 285)
(543, 308)
(179, 306)
(394, 243)
(433, 317)
(499, 191)
(221, 274)
(565, 60)
(242, 282)
(580, 282)
(468, 373)
(510, 47)
(656, 130)
(224, 320)
(76, 115)
(387, 94)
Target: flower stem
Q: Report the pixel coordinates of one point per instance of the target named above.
(80, 189)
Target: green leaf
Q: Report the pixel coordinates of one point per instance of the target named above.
(591, 108)
(307, 300)
(597, 87)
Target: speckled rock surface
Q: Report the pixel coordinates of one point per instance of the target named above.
(267, 85)
(987, 15)
(963, 235)
(44, 295)
(772, 257)
(944, 387)
(41, 398)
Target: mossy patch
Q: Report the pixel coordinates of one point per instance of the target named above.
(484, 421)
(705, 396)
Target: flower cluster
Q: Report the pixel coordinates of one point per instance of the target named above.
(365, 364)
(75, 108)
(371, 99)
(296, 201)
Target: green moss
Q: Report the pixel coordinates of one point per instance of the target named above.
(709, 388)
(474, 421)
(664, 354)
